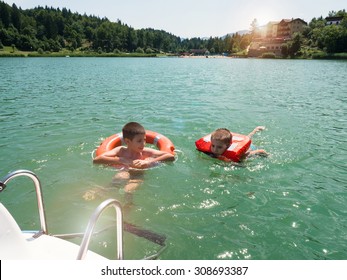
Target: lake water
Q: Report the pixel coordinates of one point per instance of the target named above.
(289, 206)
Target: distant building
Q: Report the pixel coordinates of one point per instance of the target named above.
(333, 20)
(270, 30)
(198, 51)
(273, 35)
(282, 29)
(265, 45)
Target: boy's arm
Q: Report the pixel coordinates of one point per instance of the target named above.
(258, 128)
(111, 157)
(259, 152)
(156, 155)
(152, 156)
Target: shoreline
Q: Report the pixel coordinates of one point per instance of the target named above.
(204, 56)
(335, 56)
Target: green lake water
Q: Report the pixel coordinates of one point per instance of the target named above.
(289, 206)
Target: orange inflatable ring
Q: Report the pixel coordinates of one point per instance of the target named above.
(163, 143)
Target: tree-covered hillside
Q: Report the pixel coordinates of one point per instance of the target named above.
(331, 38)
(51, 30)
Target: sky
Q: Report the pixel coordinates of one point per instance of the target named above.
(194, 18)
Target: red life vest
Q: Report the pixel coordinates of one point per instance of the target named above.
(238, 146)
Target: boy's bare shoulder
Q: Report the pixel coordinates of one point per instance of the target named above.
(121, 151)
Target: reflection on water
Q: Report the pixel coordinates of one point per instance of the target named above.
(55, 112)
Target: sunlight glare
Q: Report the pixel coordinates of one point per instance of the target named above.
(264, 16)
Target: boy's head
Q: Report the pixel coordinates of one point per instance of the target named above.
(220, 141)
(131, 129)
(134, 136)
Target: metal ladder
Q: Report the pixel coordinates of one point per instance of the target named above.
(92, 221)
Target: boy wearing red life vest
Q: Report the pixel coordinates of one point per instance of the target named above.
(222, 145)
(221, 139)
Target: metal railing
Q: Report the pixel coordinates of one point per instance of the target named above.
(91, 224)
(38, 189)
(92, 221)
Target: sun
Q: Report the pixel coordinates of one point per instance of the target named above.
(265, 15)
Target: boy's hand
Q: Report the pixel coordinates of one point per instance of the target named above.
(259, 128)
(141, 164)
(224, 158)
(259, 152)
(126, 161)
(263, 153)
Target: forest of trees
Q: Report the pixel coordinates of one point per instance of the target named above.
(330, 38)
(51, 30)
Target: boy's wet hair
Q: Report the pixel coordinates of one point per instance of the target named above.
(131, 129)
(222, 134)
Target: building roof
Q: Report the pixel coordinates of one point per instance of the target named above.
(293, 19)
(333, 18)
(273, 22)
